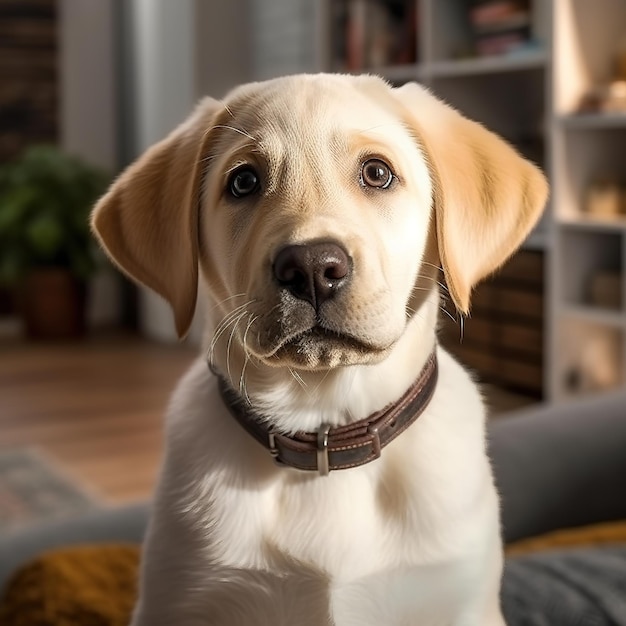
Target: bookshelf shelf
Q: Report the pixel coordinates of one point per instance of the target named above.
(593, 121)
(487, 65)
(604, 317)
(400, 73)
(590, 223)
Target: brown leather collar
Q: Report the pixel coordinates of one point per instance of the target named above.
(345, 446)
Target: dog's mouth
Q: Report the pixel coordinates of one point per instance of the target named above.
(320, 346)
(291, 333)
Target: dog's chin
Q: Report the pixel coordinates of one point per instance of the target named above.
(321, 349)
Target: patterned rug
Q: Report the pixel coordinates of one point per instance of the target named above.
(33, 490)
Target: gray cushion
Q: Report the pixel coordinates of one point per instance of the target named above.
(561, 466)
(582, 587)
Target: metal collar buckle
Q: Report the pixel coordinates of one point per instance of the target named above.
(323, 463)
(271, 436)
(376, 447)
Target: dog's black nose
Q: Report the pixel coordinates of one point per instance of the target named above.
(314, 271)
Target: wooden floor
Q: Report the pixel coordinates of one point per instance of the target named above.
(96, 407)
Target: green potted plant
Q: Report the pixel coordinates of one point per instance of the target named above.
(47, 253)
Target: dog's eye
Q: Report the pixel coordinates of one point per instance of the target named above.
(376, 173)
(243, 182)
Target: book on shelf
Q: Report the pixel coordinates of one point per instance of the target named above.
(500, 26)
(371, 34)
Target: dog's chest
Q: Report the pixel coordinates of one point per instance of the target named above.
(420, 503)
(380, 544)
(353, 524)
(350, 551)
(425, 595)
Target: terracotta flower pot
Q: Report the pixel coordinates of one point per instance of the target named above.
(52, 304)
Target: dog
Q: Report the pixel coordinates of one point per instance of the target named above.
(325, 459)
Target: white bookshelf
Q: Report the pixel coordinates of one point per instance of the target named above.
(535, 95)
(585, 147)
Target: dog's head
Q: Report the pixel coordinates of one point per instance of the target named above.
(316, 208)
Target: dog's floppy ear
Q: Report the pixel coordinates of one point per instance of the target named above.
(148, 220)
(486, 196)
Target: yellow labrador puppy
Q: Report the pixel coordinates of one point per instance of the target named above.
(325, 461)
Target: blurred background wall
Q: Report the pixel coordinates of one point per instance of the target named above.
(139, 66)
(107, 78)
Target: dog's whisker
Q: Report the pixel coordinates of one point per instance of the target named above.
(230, 112)
(449, 314)
(225, 323)
(228, 109)
(418, 288)
(237, 295)
(221, 328)
(228, 320)
(321, 382)
(434, 280)
(236, 130)
(243, 390)
(242, 379)
(377, 126)
(253, 318)
(298, 379)
(437, 267)
(443, 286)
(246, 358)
(291, 373)
(236, 310)
(350, 386)
(235, 165)
(209, 157)
(230, 343)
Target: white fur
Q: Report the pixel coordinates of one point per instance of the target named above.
(411, 539)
